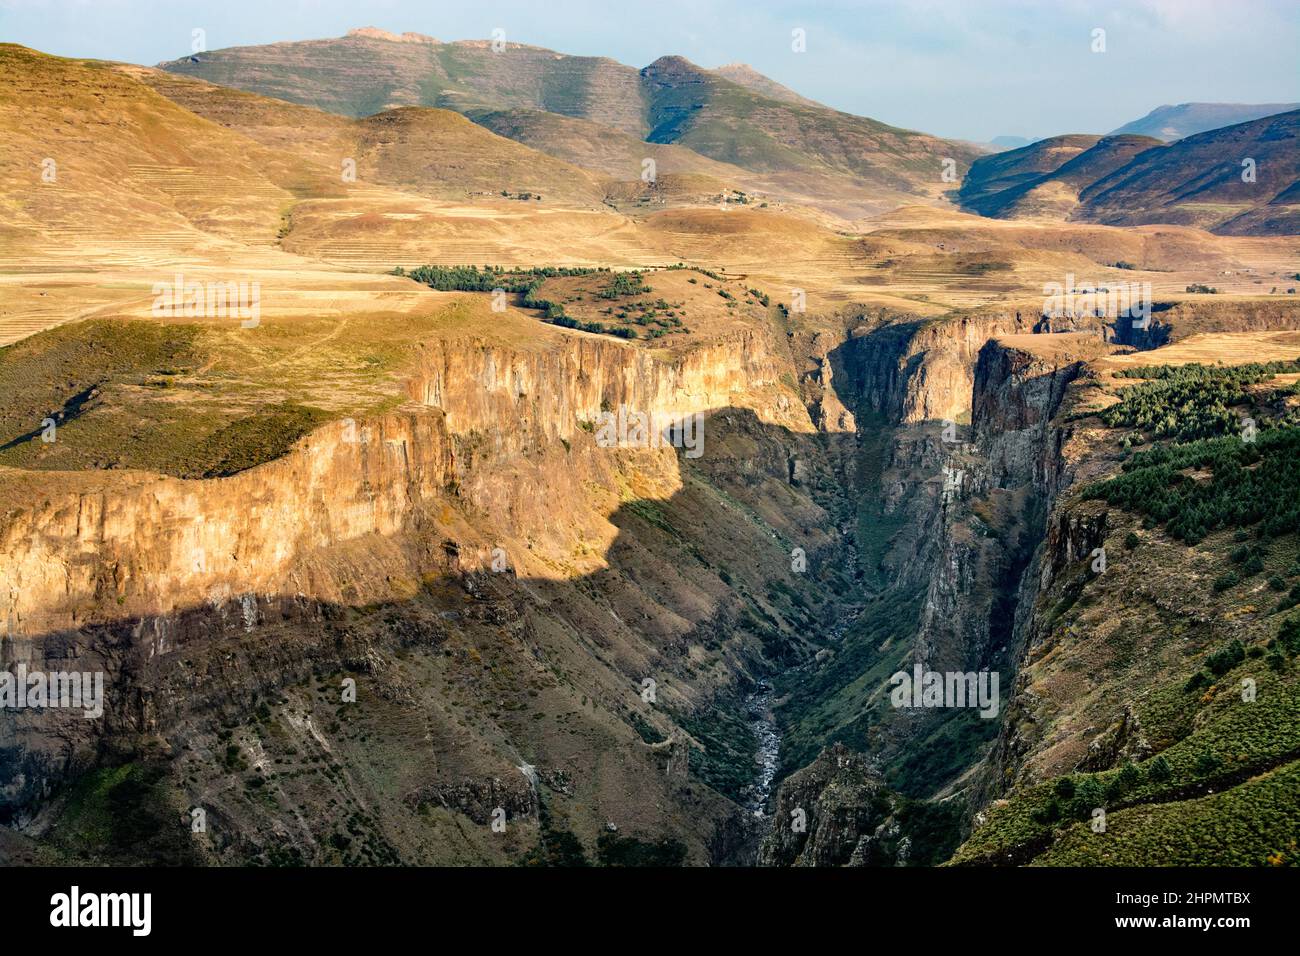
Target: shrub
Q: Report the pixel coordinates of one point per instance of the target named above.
(1226, 658)
(1159, 771)
(1206, 764)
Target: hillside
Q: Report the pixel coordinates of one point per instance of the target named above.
(990, 178)
(748, 77)
(1169, 123)
(157, 172)
(679, 175)
(1126, 180)
(814, 156)
(1199, 181)
(1009, 194)
(431, 152)
(722, 120)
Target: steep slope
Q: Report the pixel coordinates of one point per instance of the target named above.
(677, 173)
(1202, 180)
(1055, 194)
(953, 518)
(990, 177)
(1158, 686)
(1186, 119)
(727, 122)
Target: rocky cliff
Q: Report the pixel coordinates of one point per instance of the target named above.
(478, 526)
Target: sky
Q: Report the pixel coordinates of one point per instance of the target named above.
(968, 69)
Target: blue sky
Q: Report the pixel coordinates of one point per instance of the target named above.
(963, 68)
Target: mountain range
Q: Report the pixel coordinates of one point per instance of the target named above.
(784, 143)
(1169, 123)
(1236, 180)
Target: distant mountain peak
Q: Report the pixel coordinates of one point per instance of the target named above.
(672, 63)
(1186, 119)
(374, 33)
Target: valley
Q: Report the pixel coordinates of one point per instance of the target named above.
(368, 584)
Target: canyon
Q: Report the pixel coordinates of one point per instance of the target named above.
(368, 583)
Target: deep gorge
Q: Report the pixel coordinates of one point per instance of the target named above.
(367, 554)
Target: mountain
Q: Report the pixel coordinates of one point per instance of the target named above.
(1011, 193)
(813, 154)
(368, 71)
(982, 188)
(1001, 143)
(1126, 180)
(1198, 181)
(1174, 122)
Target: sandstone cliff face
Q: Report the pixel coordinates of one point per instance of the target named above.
(919, 371)
(924, 371)
(1192, 316)
(549, 392)
(154, 544)
(373, 539)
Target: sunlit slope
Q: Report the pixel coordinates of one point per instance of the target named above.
(431, 152)
(805, 153)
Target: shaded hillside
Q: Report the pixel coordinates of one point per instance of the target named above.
(1134, 180)
(990, 177)
(1198, 181)
(727, 122)
(1186, 119)
(1055, 194)
(585, 143)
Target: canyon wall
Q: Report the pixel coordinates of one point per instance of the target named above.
(370, 549)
